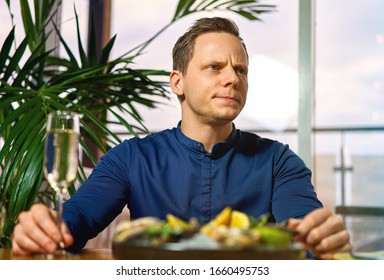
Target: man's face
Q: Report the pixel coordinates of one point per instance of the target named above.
(215, 85)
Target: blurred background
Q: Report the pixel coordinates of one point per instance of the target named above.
(347, 106)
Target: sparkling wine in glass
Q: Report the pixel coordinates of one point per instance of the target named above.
(61, 156)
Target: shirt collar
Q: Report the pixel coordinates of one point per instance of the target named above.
(219, 149)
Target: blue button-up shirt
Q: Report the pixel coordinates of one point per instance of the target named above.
(167, 172)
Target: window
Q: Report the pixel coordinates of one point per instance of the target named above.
(349, 101)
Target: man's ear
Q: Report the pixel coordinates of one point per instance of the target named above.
(175, 80)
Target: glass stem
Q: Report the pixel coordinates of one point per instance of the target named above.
(59, 216)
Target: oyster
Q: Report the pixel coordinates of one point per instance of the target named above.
(130, 229)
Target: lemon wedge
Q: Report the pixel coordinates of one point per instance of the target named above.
(223, 218)
(239, 220)
(176, 223)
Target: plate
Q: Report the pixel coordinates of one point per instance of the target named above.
(175, 251)
(374, 255)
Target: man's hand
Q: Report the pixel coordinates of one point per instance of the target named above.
(37, 232)
(323, 233)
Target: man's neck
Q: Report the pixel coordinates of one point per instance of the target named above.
(207, 134)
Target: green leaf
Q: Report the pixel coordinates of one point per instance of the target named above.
(29, 25)
(246, 14)
(15, 60)
(24, 75)
(250, 9)
(15, 117)
(183, 8)
(20, 134)
(30, 166)
(72, 58)
(83, 56)
(5, 49)
(106, 51)
(92, 47)
(88, 152)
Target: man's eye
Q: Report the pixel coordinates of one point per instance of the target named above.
(213, 67)
(242, 71)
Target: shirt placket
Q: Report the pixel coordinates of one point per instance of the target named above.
(206, 189)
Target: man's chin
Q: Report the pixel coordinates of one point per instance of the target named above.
(225, 119)
(230, 115)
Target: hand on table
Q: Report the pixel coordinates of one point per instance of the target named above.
(323, 233)
(36, 232)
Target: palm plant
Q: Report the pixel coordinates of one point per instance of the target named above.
(34, 82)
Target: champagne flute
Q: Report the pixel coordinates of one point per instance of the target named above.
(61, 157)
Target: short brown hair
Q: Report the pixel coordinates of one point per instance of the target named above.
(183, 49)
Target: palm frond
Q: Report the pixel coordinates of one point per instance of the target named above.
(250, 9)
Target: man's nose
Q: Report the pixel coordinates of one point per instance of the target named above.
(231, 78)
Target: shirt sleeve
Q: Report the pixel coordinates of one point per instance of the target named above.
(100, 198)
(293, 193)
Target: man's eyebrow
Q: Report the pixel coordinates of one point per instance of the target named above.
(213, 60)
(240, 64)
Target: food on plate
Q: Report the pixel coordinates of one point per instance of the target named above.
(129, 229)
(230, 229)
(239, 220)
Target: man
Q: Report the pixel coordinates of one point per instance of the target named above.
(197, 168)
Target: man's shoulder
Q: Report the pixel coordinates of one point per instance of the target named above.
(255, 139)
(252, 143)
(141, 144)
(151, 138)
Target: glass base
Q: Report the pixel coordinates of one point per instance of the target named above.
(59, 254)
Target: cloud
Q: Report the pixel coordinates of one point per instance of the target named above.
(272, 99)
